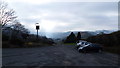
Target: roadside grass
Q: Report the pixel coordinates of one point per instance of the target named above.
(6, 44)
(112, 49)
(36, 44)
(69, 43)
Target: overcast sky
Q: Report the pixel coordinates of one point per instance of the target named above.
(66, 16)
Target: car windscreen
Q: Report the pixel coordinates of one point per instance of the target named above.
(82, 42)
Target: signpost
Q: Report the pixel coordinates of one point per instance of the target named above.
(37, 28)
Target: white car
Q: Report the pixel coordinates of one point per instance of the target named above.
(84, 46)
(81, 44)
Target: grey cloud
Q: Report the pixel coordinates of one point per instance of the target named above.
(86, 15)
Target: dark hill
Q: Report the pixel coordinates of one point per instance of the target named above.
(112, 39)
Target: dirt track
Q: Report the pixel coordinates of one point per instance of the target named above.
(59, 55)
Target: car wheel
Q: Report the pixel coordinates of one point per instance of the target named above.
(77, 47)
(99, 50)
(79, 51)
(84, 51)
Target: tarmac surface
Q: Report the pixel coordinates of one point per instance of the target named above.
(58, 55)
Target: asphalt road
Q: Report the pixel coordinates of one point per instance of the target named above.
(58, 55)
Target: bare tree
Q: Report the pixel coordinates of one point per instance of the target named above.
(19, 30)
(6, 15)
(19, 27)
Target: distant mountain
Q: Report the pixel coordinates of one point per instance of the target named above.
(104, 31)
(59, 35)
(84, 34)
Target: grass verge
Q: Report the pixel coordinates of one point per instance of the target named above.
(69, 43)
(33, 44)
(113, 49)
(6, 44)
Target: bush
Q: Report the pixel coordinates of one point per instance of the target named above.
(16, 41)
(71, 38)
(5, 44)
(5, 37)
(78, 36)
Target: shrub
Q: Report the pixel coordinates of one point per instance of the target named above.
(5, 37)
(17, 41)
(71, 38)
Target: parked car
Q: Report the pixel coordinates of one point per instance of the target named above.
(82, 43)
(90, 48)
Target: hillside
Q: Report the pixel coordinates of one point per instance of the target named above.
(84, 34)
(111, 39)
